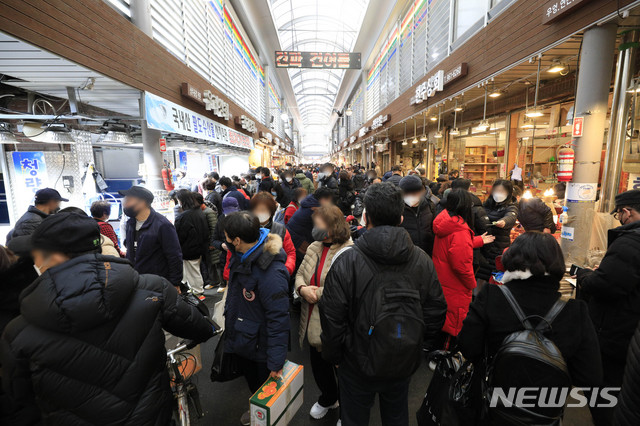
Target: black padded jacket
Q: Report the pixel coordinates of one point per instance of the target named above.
(89, 348)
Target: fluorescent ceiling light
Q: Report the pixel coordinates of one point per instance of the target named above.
(455, 132)
(534, 113)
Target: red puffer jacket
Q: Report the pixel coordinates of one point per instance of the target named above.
(453, 259)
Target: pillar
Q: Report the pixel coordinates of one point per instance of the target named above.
(596, 67)
(617, 136)
(141, 18)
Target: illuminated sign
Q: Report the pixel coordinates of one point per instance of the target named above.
(436, 83)
(318, 60)
(363, 131)
(246, 123)
(210, 101)
(379, 121)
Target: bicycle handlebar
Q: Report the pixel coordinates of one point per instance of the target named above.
(180, 348)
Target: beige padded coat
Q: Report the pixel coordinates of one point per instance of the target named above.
(308, 267)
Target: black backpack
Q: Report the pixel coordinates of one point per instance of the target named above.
(388, 326)
(527, 358)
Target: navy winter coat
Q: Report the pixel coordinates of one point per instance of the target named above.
(89, 347)
(158, 250)
(300, 225)
(232, 191)
(257, 308)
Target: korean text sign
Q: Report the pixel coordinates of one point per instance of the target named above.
(31, 175)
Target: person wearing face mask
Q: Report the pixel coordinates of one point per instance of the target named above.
(263, 206)
(331, 234)
(193, 234)
(612, 292)
(298, 195)
(418, 213)
(151, 240)
(288, 185)
(305, 182)
(257, 307)
(47, 201)
(266, 181)
(502, 213)
(101, 344)
(327, 177)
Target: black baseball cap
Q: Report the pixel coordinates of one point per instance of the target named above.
(67, 233)
(138, 192)
(45, 195)
(627, 198)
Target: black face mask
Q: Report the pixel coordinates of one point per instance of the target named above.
(319, 234)
(230, 247)
(56, 210)
(130, 211)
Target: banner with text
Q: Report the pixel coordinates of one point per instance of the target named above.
(167, 116)
(31, 175)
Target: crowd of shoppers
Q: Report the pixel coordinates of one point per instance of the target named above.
(384, 268)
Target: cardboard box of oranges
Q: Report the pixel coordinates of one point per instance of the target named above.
(277, 401)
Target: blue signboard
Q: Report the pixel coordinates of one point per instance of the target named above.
(31, 175)
(182, 160)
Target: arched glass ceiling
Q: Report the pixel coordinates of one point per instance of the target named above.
(317, 26)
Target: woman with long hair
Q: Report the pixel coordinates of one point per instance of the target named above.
(453, 259)
(331, 234)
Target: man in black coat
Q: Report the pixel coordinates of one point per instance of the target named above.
(352, 282)
(96, 355)
(396, 175)
(613, 293)
(266, 183)
(418, 213)
(327, 177)
(46, 202)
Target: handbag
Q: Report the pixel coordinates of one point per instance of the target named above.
(454, 394)
(225, 366)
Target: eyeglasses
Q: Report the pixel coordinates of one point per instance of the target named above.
(617, 215)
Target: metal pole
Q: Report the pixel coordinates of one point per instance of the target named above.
(141, 17)
(618, 129)
(596, 67)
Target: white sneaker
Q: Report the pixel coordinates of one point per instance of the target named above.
(339, 423)
(432, 365)
(318, 411)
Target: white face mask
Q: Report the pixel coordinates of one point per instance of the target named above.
(499, 197)
(320, 175)
(289, 179)
(412, 200)
(258, 177)
(263, 217)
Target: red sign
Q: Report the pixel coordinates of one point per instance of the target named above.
(163, 145)
(578, 127)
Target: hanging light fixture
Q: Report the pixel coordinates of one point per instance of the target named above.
(438, 135)
(484, 126)
(6, 135)
(349, 112)
(558, 67)
(53, 132)
(495, 93)
(415, 131)
(284, 116)
(116, 132)
(404, 142)
(535, 113)
(455, 131)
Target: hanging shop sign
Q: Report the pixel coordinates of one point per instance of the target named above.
(578, 127)
(556, 9)
(164, 115)
(30, 171)
(363, 131)
(634, 181)
(210, 101)
(318, 60)
(379, 121)
(437, 82)
(163, 144)
(246, 123)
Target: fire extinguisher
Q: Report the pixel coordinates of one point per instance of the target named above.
(566, 157)
(166, 178)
